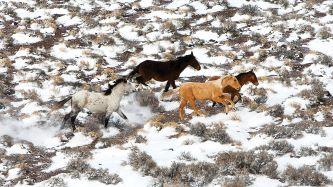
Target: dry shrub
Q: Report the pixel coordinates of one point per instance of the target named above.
(142, 162)
(186, 156)
(250, 10)
(238, 181)
(148, 98)
(198, 129)
(276, 111)
(330, 11)
(325, 33)
(56, 182)
(318, 91)
(307, 126)
(7, 141)
(307, 151)
(140, 139)
(79, 166)
(198, 174)
(281, 147)
(277, 131)
(284, 3)
(326, 162)
(228, 26)
(216, 133)
(304, 175)
(250, 103)
(252, 162)
(103, 176)
(325, 60)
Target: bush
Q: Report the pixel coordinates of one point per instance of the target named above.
(198, 129)
(148, 98)
(142, 162)
(317, 88)
(198, 174)
(140, 139)
(326, 162)
(250, 10)
(276, 111)
(278, 132)
(103, 176)
(307, 151)
(324, 33)
(325, 60)
(186, 156)
(78, 165)
(281, 147)
(304, 175)
(238, 181)
(228, 26)
(56, 182)
(217, 133)
(7, 141)
(252, 162)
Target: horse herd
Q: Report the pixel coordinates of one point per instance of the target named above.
(223, 90)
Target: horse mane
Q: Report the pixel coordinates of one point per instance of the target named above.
(110, 88)
(243, 74)
(181, 58)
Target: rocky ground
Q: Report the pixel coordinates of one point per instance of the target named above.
(281, 133)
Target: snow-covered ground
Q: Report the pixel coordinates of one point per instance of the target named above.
(280, 134)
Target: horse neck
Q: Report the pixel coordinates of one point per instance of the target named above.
(242, 79)
(117, 93)
(180, 65)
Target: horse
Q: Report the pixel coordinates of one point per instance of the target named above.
(243, 78)
(163, 71)
(211, 90)
(101, 103)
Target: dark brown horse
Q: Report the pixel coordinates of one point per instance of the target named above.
(163, 71)
(243, 78)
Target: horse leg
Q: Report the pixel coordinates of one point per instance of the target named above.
(66, 118)
(173, 84)
(183, 103)
(121, 113)
(222, 100)
(106, 120)
(214, 104)
(192, 104)
(167, 86)
(239, 97)
(73, 117)
(141, 80)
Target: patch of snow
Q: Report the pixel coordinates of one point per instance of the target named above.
(25, 38)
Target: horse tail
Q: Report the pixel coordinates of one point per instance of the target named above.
(135, 71)
(61, 103)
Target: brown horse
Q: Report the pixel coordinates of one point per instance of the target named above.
(211, 90)
(163, 71)
(243, 78)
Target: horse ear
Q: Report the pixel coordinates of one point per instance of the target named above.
(192, 53)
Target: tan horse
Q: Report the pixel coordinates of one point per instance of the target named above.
(211, 90)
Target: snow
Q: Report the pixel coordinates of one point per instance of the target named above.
(25, 38)
(136, 31)
(67, 20)
(79, 140)
(317, 45)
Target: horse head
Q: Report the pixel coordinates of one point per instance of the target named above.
(253, 78)
(117, 83)
(192, 61)
(232, 81)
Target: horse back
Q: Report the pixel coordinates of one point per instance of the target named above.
(201, 91)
